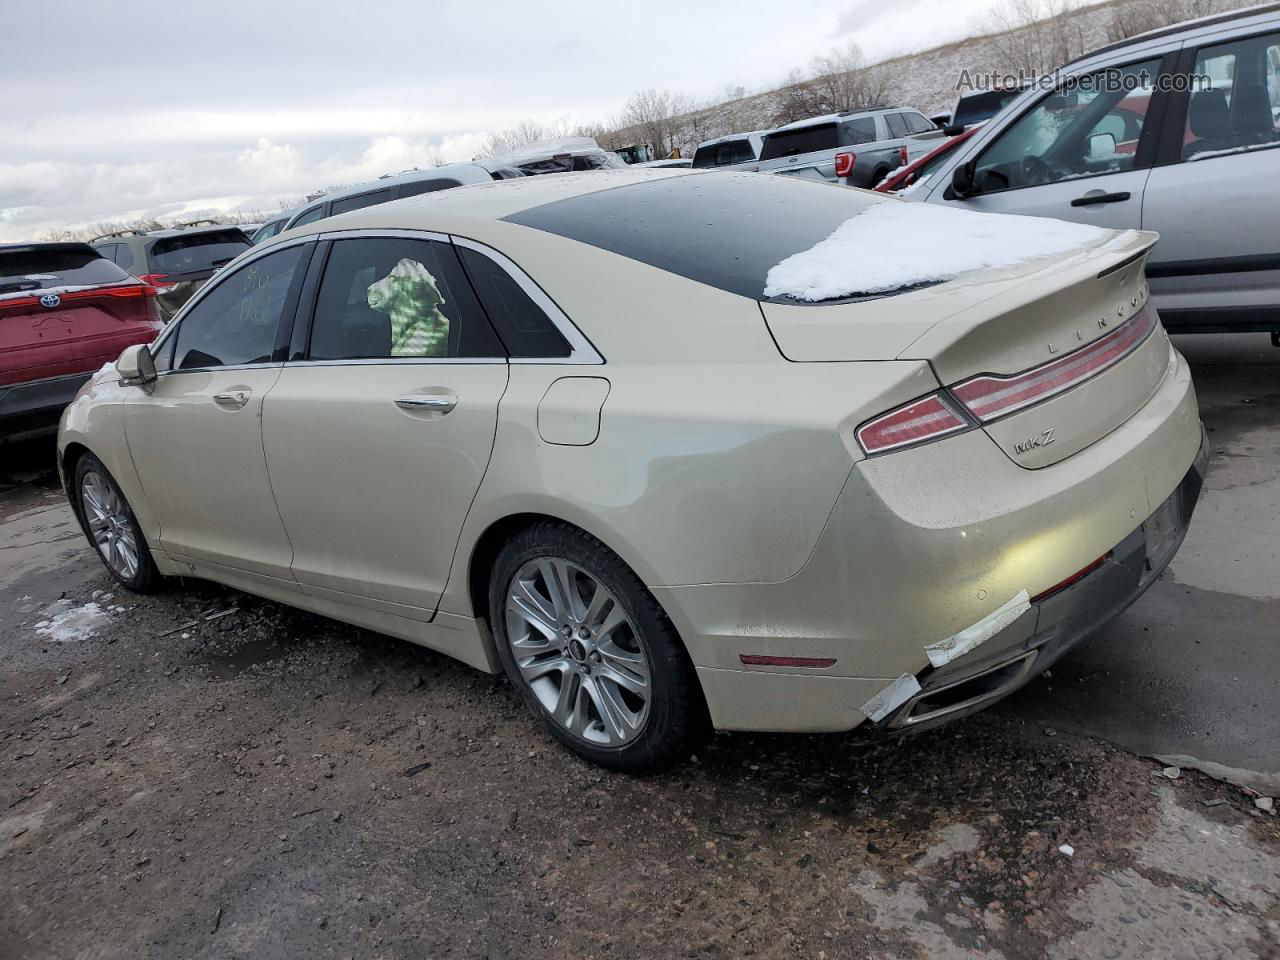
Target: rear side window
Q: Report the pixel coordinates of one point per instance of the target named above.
(359, 201)
(897, 126)
(39, 266)
(196, 252)
(790, 143)
(309, 216)
(723, 154)
(524, 329)
(123, 256)
(862, 130)
(426, 186)
(238, 321)
(391, 297)
(1238, 108)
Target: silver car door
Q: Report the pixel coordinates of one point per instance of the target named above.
(1214, 201)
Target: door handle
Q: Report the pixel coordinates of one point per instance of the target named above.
(1097, 196)
(433, 402)
(232, 398)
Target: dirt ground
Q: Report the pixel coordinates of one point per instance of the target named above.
(199, 773)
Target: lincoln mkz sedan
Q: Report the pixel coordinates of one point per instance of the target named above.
(557, 427)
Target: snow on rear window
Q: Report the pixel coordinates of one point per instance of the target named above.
(898, 244)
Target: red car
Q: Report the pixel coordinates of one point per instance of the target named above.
(64, 312)
(904, 177)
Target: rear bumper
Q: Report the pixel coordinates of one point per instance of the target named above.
(26, 408)
(1061, 620)
(924, 544)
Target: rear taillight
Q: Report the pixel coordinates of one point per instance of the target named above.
(903, 154)
(156, 280)
(929, 418)
(989, 397)
(844, 163)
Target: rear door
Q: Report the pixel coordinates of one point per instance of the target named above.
(1213, 196)
(1082, 152)
(196, 435)
(378, 433)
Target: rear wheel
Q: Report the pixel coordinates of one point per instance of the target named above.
(111, 526)
(877, 177)
(591, 652)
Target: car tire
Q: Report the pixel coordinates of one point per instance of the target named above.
(109, 523)
(590, 689)
(877, 177)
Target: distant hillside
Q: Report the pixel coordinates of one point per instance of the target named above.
(927, 80)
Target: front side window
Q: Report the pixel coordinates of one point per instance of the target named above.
(525, 330)
(389, 298)
(268, 231)
(238, 320)
(1089, 126)
(1237, 108)
(917, 123)
(897, 126)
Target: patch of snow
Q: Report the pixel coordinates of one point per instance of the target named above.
(64, 622)
(1247, 148)
(891, 245)
(1068, 849)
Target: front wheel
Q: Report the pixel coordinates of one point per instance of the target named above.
(111, 527)
(592, 653)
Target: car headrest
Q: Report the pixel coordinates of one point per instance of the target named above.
(1251, 115)
(1210, 118)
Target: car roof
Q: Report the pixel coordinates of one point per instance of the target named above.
(482, 202)
(1185, 26)
(835, 117)
(477, 169)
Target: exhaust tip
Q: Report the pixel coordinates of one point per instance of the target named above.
(967, 695)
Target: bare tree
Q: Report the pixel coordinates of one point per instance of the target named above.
(1139, 16)
(836, 82)
(503, 141)
(1033, 37)
(658, 116)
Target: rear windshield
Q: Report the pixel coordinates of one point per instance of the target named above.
(196, 252)
(71, 265)
(723, 229)
(789, 143)
(981, 106)
(722, 154)
(567, 163)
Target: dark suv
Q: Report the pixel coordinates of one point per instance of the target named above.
(176, 262)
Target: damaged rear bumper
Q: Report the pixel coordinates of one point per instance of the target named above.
(1061, 620)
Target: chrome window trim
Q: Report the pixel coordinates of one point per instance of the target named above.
(398, 361)
(171, 330)
(581, 350)
(403, 233)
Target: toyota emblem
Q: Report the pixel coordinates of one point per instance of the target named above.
(50, 300)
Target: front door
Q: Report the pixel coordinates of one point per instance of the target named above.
(196, 436)
(1078, 154)
(376, 441)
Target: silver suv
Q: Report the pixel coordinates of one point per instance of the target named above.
(859, 147)
(1174, 131)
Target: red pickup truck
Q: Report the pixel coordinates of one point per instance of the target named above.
(64, 312)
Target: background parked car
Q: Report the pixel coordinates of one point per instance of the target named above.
(736, 151)
(385, 189)
(65, 310)
(176, 262)
(904, 177)
(1198, 166)
(859, 147)
(563, 155)
(975, 109)
(668, 162)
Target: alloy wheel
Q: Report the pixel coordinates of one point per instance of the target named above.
(110, 525)
(578, 652)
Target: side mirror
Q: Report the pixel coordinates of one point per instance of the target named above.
(1102, 146)
(953, 129)
(962, 184)
(136, 365)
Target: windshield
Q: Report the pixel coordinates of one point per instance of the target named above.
(40, 266)
(196, 252)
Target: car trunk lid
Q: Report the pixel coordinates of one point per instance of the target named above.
(1075, 326)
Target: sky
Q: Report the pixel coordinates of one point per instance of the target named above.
(137, 109)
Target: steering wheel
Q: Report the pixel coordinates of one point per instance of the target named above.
(1035, 171)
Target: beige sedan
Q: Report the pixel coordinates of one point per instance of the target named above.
(673, 450)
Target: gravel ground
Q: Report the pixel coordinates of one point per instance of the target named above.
(273, 784)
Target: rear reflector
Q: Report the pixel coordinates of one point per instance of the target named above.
(990, 397)
(759, 660)
(904, 154)
(844, 163)
(1074, 578)
(929, 418)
